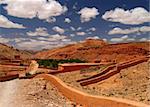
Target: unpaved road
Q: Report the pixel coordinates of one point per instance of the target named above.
(11, 94)
(7, 93)
(31, 93)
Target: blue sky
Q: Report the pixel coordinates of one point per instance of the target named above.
(38, 24)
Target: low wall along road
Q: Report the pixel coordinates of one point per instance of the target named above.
(99, 74)
(108, 72)
(62, 68)
(88, 100)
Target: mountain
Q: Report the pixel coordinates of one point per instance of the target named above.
(97, 51)
(9, 52)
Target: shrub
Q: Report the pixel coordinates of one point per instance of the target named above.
(53, 63)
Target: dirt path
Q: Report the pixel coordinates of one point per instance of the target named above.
(31, 93)
(7, 93)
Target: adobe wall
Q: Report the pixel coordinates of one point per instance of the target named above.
(88, 100)
(99, 74)
(70, 68)
(129, 64)
(9, 77)
(73, 68)
(99, 78)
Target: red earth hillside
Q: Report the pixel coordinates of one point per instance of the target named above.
(98, 51)
(9, 52)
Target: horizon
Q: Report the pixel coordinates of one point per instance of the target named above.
(38, 50)
(39, 26)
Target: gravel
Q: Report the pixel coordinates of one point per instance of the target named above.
(31, 93)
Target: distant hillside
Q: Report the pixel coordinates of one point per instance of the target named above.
(8, 52)
(97, 51)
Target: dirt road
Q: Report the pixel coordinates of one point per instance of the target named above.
(7, 93)
(31, 93)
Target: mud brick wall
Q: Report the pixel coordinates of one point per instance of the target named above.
(9, 77)
(132, 63)
(100, 78)
(70, 68)
(99, 74)
(113, 72)
(88, 100)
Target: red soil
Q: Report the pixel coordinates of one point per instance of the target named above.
(98, 51)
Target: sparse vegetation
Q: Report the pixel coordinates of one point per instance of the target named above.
(53, 63)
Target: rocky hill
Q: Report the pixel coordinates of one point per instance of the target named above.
(9, 52)
(97, 51)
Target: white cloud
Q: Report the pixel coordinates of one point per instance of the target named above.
(58, 29)
(4, 40)
(91, 29)
(5, 23)
(88, 13)
(54, 45)
(104, 39)
(129, 31)
(89, 33)
(122, 31)
(94, 37)
(41, 38)
(66, 40)
(144, 39)
(81, 33)
(45, 42)
(56, 37)
(125, 38)
(38, 43)
(72, 28)
(16, 40)
(34, 8)
(79, 28)
(145, 29)
(19, 39)
(72, 35)
(51, 20)
(32, 44)
(67, 20)
(41, 31)
(137, 15)
(58, 44)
